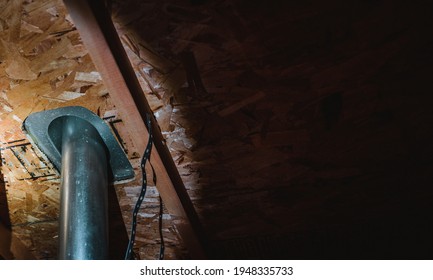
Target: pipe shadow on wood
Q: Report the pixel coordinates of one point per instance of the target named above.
(10, 246)
(5, 223)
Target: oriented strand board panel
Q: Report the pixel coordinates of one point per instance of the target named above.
(45, 66)
(293, 118)
(302, 125)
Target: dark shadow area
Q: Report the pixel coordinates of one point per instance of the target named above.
(395, 239)
(4, 209)
(5, 244)
(313, 137)
(117, 235)
(5, 223)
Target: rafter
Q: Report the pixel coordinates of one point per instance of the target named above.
(100, 38)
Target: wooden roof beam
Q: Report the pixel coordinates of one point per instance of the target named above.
(98, 34)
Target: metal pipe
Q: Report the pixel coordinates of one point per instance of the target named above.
(81, 146)
(93, 21)
(84, 185)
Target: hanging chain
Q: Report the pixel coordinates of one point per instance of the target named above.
(161, 236)
(144, 159)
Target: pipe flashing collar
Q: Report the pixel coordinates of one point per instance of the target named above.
(46, 137)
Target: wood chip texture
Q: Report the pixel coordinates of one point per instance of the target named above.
(301, 129)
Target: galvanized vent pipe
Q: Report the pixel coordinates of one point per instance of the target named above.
(83, 230)
(81, 145)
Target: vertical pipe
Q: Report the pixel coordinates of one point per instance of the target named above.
(99, 35)
(84, 185)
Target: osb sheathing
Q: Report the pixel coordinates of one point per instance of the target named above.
(44, 65)
(305, 126)
(301, 124)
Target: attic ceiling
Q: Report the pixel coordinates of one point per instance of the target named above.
(300, 129)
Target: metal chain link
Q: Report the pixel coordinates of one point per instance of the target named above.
(144, 159)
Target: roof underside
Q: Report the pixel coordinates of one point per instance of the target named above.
(305, 133)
